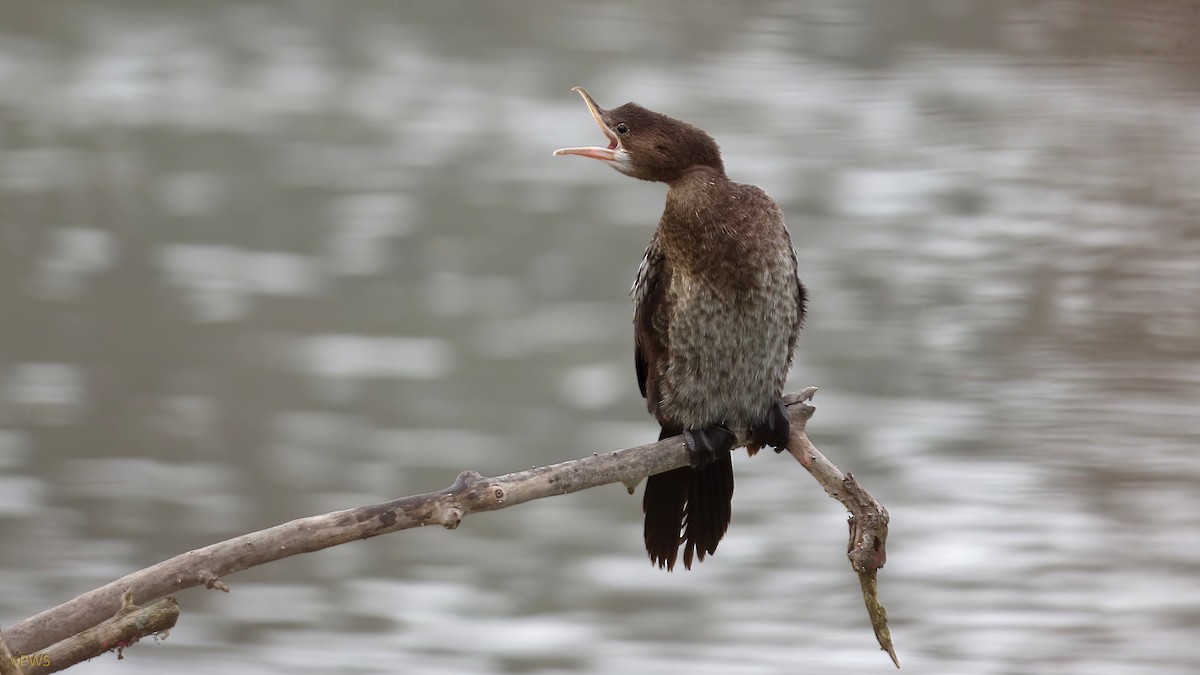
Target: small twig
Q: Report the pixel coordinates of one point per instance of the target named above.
(127, 626)
(868, 518)
(212, 581)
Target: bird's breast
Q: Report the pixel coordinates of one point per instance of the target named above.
(728, 347)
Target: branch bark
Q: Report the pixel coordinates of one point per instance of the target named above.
(470, 493)
(868, 519)
(8, 664)
(130, 624)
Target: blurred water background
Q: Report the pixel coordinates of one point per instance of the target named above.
(264, 260)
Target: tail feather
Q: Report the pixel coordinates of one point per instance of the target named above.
(696, 502)
(664, 503)
(708, 510)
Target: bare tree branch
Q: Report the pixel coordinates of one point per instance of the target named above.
(8, 664)
(470, 493)
(868, 519)
(127, 626)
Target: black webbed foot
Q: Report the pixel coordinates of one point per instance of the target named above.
(776, 429)
(704, 445)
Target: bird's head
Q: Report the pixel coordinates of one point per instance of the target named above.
(648, 145)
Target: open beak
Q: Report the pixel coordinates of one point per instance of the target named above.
(607, 154)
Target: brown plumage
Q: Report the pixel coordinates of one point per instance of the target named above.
(717, 310)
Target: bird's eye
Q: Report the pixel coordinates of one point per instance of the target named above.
(622, 128)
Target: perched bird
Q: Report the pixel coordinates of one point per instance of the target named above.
(717, 310)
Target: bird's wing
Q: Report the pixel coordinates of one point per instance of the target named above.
(801, 302)
(649, 321)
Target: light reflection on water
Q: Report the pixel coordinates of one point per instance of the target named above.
(256, 266)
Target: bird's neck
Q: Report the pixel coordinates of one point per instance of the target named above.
(693, 194)
(697, 227)
(698, 179)
(695, 202)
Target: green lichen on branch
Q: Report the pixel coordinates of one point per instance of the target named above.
(877, 612)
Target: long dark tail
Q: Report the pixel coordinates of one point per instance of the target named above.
(698, 502)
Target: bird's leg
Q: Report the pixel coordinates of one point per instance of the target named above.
(704, 444)
(775, 429)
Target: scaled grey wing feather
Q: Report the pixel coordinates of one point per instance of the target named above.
(648, 320)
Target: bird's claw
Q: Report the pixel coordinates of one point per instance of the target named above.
(704, 444)
(775, 430)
